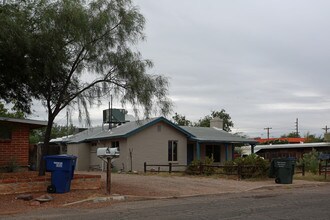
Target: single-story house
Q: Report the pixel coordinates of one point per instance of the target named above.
(14, 140)
(287, 150)
(155, 141)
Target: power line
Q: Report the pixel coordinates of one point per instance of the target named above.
(297, 127)
(268, 128)
(326, 129)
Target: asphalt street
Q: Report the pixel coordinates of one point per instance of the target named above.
(292, 203)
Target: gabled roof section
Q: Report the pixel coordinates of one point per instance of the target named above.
(123, 131)
(215, 135)
(81, 136)
(31, 123)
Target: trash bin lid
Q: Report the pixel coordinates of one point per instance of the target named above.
(61, 156)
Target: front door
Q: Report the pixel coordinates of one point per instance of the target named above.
(190, 153)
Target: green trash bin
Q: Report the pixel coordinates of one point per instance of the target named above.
(282, 170)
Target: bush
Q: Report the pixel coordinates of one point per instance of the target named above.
(194, 167)
(252, 166)
(12, 165)
(311, 161)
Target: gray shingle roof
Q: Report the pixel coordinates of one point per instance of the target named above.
(122, 131)
(205, 134)
(202, 134)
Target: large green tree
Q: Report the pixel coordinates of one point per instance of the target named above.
(4, 112)
(73, 53)
(222, 114)
(181, 120)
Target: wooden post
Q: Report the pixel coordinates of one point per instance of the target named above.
(326, 169)
(108, 176)
(131, 158)
(239, 172)
(303, 169)
(145, 167)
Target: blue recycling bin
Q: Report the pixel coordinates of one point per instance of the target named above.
(62, 169)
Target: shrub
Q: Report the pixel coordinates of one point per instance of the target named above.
(311, 161)
(252, 166)
(194, 167)
(12, 165)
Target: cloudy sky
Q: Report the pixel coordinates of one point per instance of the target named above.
(265, 62)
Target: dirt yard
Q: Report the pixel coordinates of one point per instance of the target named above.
(135, 187)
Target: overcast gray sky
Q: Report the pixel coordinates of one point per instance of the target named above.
(265, 62)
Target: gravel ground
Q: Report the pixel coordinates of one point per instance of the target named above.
(139, 187)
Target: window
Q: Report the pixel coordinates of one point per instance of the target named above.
(115, 144)
(5, 132)
(172, 150)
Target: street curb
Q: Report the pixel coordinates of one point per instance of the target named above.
(288, 186)
(98, 199)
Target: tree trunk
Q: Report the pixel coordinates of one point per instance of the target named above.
(45, 146)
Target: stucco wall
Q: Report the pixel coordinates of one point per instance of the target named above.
(82, 151)
(151, 146)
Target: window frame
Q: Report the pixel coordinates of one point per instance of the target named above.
(172, 151)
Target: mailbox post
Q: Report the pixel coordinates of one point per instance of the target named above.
(107, 154)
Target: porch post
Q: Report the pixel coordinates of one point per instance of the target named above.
(198, 151)
(252, 148)
(232, 151)
(226, 151)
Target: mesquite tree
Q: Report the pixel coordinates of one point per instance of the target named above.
(73, 53)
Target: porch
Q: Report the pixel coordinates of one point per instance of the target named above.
(219, 152)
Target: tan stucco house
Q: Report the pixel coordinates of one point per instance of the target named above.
(155, 141)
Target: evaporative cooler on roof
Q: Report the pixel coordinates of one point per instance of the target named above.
(117, 116)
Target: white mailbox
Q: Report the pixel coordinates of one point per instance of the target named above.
(107, 152)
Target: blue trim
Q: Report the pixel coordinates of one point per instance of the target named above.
(232, 151)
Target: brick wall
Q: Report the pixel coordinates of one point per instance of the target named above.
(40, 184)
(17, 148)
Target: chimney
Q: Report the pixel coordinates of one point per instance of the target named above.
(216, 123)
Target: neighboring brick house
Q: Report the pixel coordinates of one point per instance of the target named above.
(14, 140)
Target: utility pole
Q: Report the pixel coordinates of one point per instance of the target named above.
(268, 128)
(297, 131)
(326, 129)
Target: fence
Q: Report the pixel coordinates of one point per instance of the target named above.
(324, 169)
(300, 169)
(169, 165)
(240, 171)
